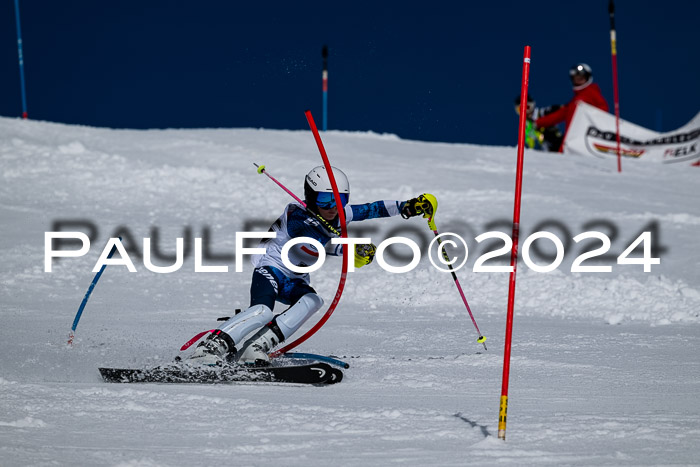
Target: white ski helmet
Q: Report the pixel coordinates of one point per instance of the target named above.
(582, 69)
(317, 187)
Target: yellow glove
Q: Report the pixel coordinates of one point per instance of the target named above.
(425, 204)
(364, 254)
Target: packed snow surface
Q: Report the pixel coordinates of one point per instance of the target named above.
(604, 367)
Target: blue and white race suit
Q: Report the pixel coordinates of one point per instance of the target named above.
(272, 280)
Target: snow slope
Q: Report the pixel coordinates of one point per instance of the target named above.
(604, 365)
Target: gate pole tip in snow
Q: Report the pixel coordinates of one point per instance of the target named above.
(71, 335)
(503, 411)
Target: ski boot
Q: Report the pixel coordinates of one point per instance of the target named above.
(255, 352)
(216, 350)
(220, 348)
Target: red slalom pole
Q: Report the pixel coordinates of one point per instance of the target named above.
(343, 234)
(514, 252)
(616, 95)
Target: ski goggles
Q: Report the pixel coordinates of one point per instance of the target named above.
(326, 200)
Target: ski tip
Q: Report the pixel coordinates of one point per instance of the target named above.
(321, 358)
(335, 377)
(189, 343)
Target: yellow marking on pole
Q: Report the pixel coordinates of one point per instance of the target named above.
(502, 416)
(613, 42)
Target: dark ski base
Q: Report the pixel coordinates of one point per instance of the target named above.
(312, 373)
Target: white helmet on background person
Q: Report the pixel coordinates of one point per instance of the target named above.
(582, 70)
(318, 190)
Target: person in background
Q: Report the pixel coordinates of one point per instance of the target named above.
(547, 139)
(585, 90)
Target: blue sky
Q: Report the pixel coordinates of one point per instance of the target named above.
(428, 71)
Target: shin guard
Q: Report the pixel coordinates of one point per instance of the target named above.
(245, 322)
(292, 319)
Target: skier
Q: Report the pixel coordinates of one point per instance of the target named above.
(548, 139)
(585, 90)
(273, 281)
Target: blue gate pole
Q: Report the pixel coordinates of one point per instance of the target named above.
(21, 61)
(324, 53)
(71, 336)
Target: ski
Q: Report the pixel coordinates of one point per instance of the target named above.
(312, 373)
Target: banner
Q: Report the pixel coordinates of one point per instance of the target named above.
(592, 132)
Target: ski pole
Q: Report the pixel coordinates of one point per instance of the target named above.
(87, 295)
(261, 170)
(433, 227)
